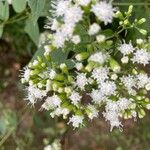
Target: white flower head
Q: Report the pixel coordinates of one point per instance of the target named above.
(60, 7)
(142, 80)
(108, 88)
(94, 29)
(123, 103)
(104, 11)
(26, 74)
(58, 39)
(141, 56)
(126, 49)
(73, 15)
(34, 94)
(52, 102)
(81, 81)
(75, 98)
(99, 57)
(60, 111)
(129, 82)
(97, 96)
(76, 120)
(100, 74)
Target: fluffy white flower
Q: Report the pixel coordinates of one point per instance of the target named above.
(34, 94)
(61, 7)
(76, 120)
(58, 39)
(99, 57)
(100, 74)
(52, 102)
(75, 98)
(94, 29)
(76, 39)
(113, 118)
(126, 49)
(108, 88)
(123, 103)
(141, 56)
(81, 80)
(67, 30)
(104, 11)
(97, 96)
(60, 111)
(73, 15)
(26, 74)
(83, 2)
(93, 112)
(142, 80)
(129, 82)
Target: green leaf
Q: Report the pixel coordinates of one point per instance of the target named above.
(1, 30)
(37, 7)
(19, 5)
(32, 29)
(4, 10)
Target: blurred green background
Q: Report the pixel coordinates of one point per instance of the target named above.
(23, 127)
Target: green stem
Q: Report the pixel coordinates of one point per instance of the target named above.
(135, 4)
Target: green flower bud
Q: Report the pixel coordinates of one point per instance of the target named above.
(70, 79)
(139, 41)
(59, 77)
(64, 68)
(132, 106)
(35, 72)
(60, 90)
(48, 85)
(120, 22)
(100, 38)
(141, 113)
(134, 71)
(126, 22)
(142, 31)
(68, 90)
(82, 56)
(56, 85)
(119, 15)
(130, 10)
(114, 65)
(23, 81)
(90, 66)
(148, 106)
(141, 21)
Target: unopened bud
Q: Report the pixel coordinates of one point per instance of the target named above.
(82, 56)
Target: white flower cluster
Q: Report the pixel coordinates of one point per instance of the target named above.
(102, 75)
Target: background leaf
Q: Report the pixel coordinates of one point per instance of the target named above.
(4, 10)
(19, 5)
(32, 29)
(37, 7)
